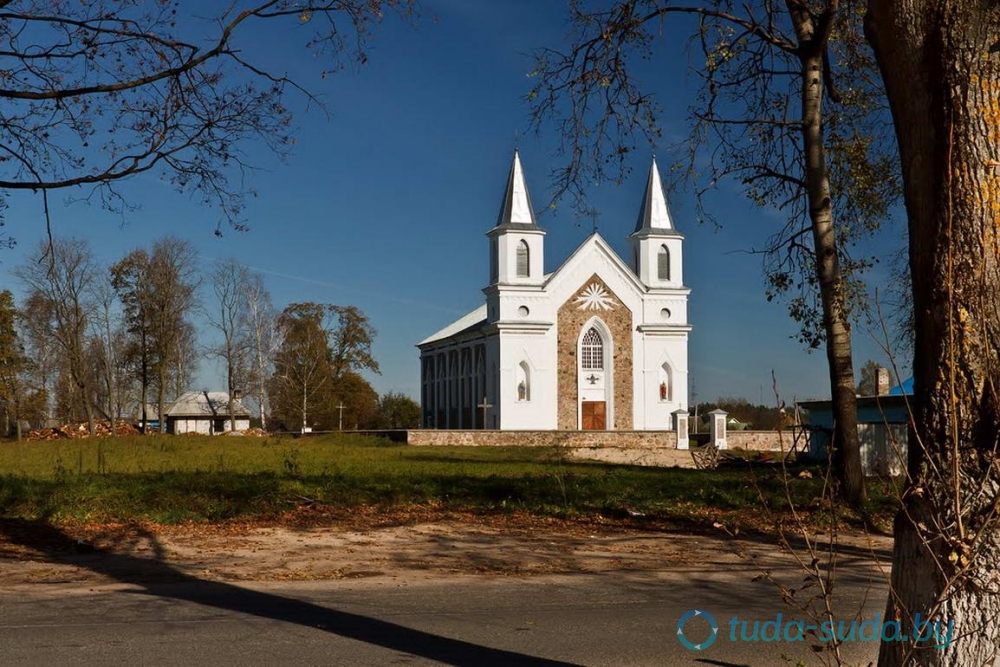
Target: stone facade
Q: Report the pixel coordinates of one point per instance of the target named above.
(571, 320)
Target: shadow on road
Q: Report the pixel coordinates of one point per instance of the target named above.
(159, 579)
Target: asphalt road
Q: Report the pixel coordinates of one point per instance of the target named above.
(619, 618)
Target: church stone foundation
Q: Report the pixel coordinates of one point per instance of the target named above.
(765, 441)
(644, 440)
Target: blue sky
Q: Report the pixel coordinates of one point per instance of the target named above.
(385, 203)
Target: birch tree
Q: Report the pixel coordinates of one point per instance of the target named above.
(940, 61)
(323, 349)
(302, 373)
(227, 316)
(261, 324)
(109, 335)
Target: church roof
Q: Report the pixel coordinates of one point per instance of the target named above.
(654, 215)
(473, 320)
(516, 211)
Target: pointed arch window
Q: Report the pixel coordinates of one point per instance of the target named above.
(523, 260)
(592, 351)
(663, 263)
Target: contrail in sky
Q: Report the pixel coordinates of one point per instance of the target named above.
(374, 295)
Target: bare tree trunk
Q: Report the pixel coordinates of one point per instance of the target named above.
(144, 391)
(940, 64)
(261, 395)
(161, 390)
(305, 397)
(260, 325)
(813, 35)
(109, 371)
(230, 373)
(88, 407)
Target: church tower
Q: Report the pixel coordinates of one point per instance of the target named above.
(658, 261)
(516, 242)
(656, 246)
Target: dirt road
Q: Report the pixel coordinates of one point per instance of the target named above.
(410, 545)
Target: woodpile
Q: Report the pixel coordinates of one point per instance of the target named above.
(102, 428)
(253, 432)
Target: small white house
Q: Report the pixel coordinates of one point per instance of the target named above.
(205, 412)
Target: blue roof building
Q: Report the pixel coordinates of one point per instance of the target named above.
(883, 425)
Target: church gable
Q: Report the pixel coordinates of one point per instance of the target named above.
(595, 256)
(595, 305)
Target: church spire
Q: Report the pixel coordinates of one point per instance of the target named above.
(517, 243)
(516, 209)
(654, 216)
(656, 245)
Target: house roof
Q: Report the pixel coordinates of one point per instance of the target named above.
(896, 395)
(904, 388)
(861, 402)
(205, 404)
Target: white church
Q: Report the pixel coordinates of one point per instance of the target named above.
(597, 344)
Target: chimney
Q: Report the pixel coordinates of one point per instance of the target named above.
(882, 387)
(238, 394)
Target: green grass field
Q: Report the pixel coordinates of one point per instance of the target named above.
(172, 479)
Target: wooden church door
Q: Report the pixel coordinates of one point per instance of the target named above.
(594, 415)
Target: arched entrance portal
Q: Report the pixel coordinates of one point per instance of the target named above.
(595, 376)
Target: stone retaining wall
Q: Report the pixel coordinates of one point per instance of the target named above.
(760, 441)
(573, 439)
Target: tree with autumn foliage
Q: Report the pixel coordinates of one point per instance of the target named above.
(396, 410)
(13, 367)
(158, 292)
(317, 367)
(60, 276)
